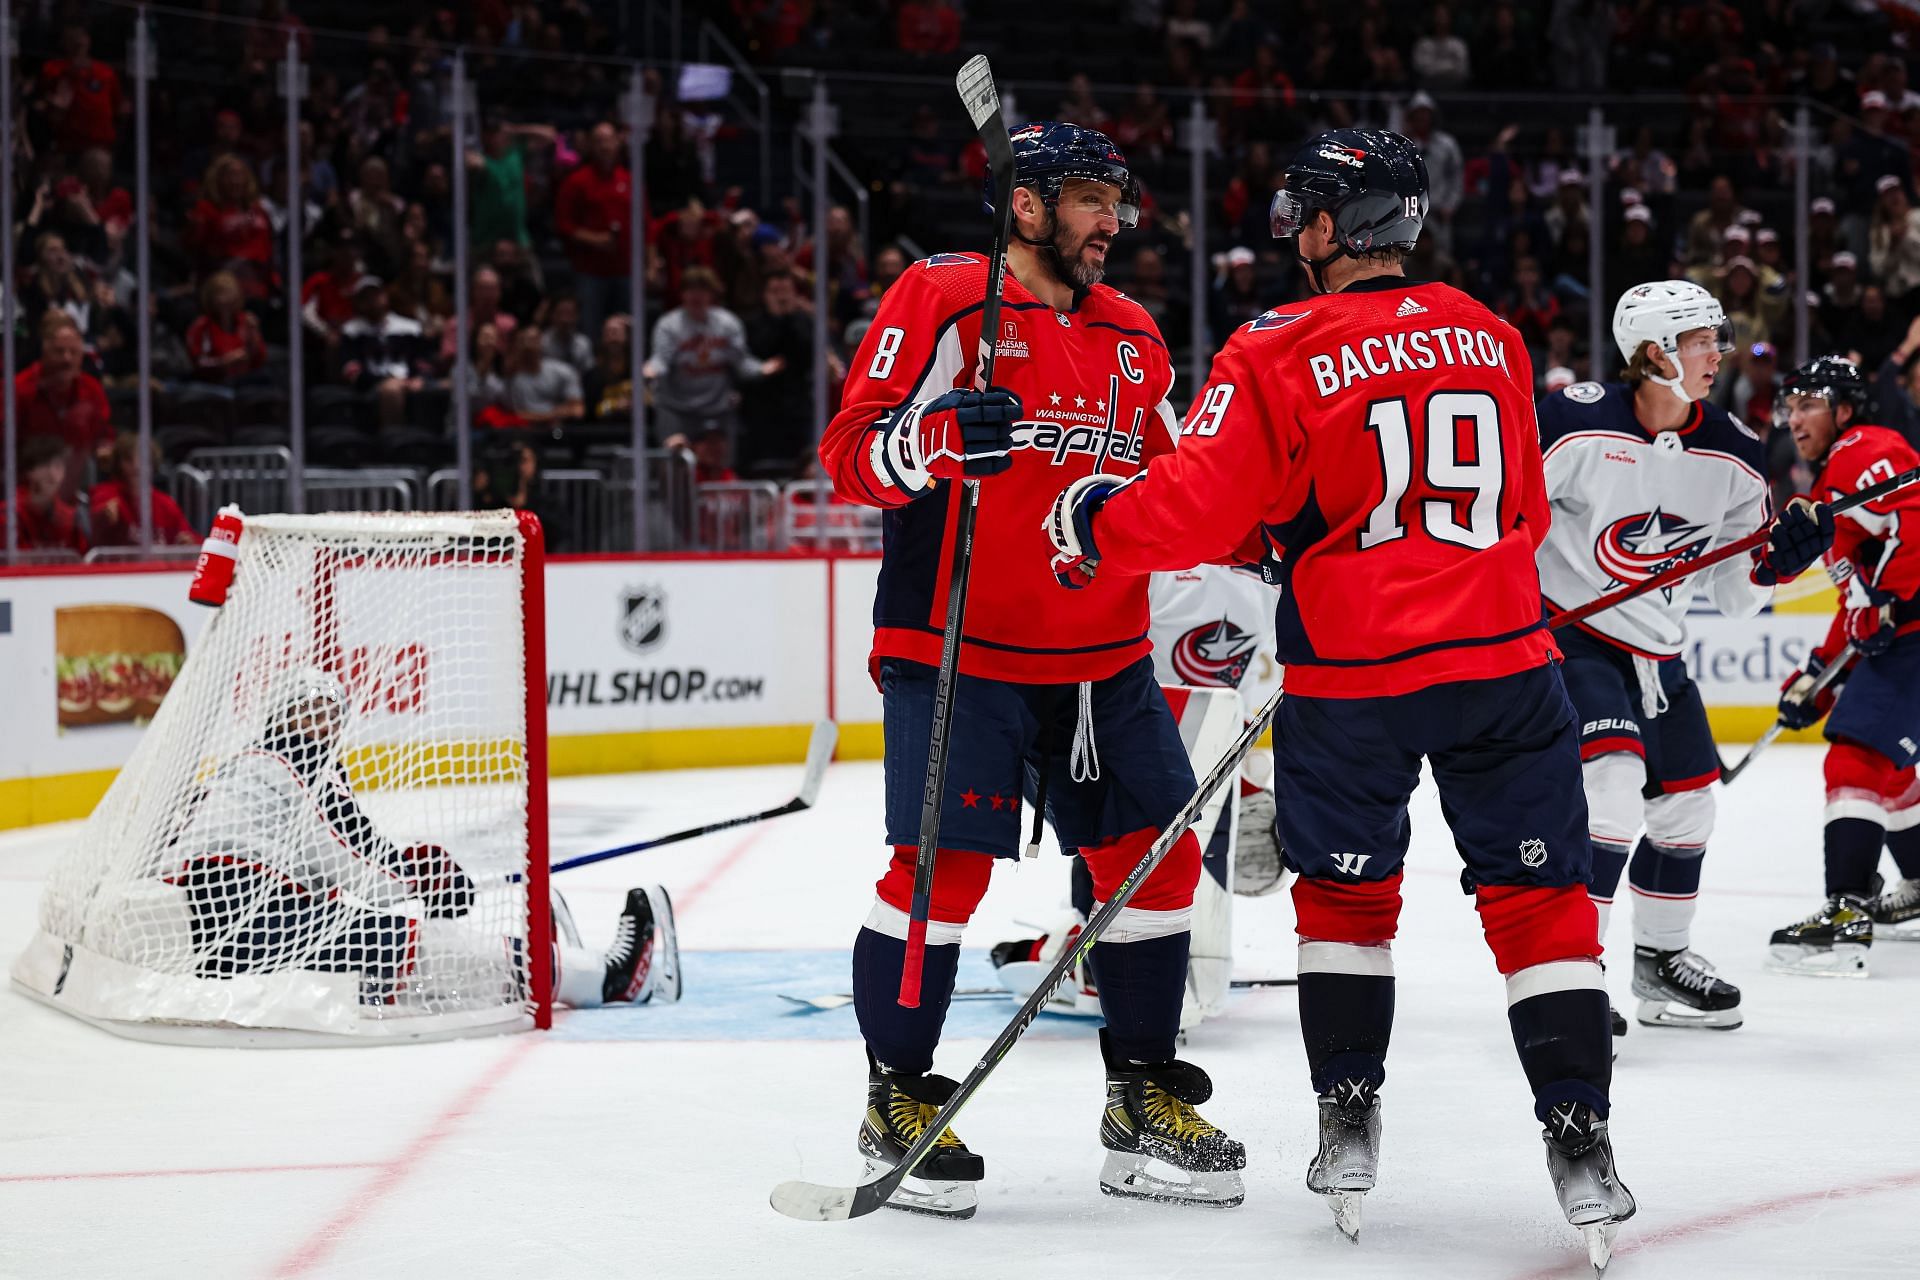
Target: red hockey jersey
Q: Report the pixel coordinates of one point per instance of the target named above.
(1093, 383)
(1381, 442)
(1873, 545)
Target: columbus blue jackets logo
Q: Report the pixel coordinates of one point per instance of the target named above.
(1216, 654)
(1634, 548)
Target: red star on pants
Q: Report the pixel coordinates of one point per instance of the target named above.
(997, 802)
(970, 798)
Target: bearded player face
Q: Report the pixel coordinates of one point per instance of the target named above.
(1086, 219)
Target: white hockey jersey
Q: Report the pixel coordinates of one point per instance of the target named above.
(1213, 627)
(1628, 503)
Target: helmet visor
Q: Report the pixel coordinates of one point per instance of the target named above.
(1126, 209)
(1698, 342)
(1287, 215)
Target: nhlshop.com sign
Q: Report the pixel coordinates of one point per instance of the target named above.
(584, 688)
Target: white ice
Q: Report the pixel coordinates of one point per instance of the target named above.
(643, 1142)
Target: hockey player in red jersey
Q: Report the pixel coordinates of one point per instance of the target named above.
(1048, 684)
(1376, 446)
(1872, 797)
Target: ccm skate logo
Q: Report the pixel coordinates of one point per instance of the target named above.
(1350, 864)
(1614, 725)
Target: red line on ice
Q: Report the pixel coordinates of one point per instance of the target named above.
(315, 1249)
(684, 902)
(1631, 1244)
(185, 1173)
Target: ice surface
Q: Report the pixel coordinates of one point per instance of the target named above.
(643, 1142)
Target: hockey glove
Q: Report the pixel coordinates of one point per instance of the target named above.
(1871, 627)
(1070, 528)
(435, 876)
(1800, 707)
(1800, 536)
(960, 435)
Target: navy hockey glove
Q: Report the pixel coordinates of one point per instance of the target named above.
(1069, 527)
(1800, 707)
(1871, 627)
(960, 435)
(1801, 535)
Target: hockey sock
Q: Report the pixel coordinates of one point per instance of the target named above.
(1609, 861)
(1564, 1035)
(901, 1039)
(1081, 890)
(1904, 845)
(1665, 880)
(1142, 985)
(1853, 851)
(1346, 1018)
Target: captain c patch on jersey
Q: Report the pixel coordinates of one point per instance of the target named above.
(1636, 547)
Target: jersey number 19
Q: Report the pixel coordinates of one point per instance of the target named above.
(1461, 455)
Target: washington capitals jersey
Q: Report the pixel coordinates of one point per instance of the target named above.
(1213, 626)
(1628, 503)
(1093, 383)
(1377, 448)
(1876, 546)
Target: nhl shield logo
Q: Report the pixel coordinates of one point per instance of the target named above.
(1533, 852)
(643, 618)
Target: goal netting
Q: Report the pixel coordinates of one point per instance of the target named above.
(333, 830)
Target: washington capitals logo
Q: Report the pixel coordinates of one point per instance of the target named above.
(1635, 548)
(1215, 654)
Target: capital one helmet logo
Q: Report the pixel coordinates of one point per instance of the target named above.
(643, 618)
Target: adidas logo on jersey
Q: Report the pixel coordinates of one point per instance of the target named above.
(1408, 307)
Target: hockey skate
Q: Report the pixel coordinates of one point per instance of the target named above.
(643, 964)
(1349, 1157)
(1831, 943)
(1158, 1147)
(900, 1106)
(1679, 989)
(1896, 913)
(1580, 1158)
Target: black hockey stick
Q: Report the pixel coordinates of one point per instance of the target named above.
(1820, 682)
(812, 1202)
(1687, 568)
(841, 999)
(819, 756)
(975, 83)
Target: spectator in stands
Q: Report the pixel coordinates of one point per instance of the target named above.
(1263, 98)
(1081, 107)
(673, 162)
(1864, 155)
(1639, 256)
(927, 28)
(1739, 293)
(1530, 307)
(326, 299)
(499, 173)
(229, 229)
(1149, 287)
(1825, 81)
(1144, 130)
(888, 262)
(1897, 387)
(1748, 392)
(511, 478)
(1709, 226)
(1840, 296)
(47, 521)
(1446, 166)
(712, 457)
(114, 505)
(421, 293)
(58, 400)
(383, 354)
(777, 410)
(609, 385)
(928, 160)
(1645, 167)
(487, 380)
(1507, 59)
(66, 207)
(1440, 58)
(544, 392)
(1569, 207)
(1893, 247)
(54, 283)
(698, 354)
(520, 294)
(483, 307)
(224, 340)
(377, 214)
(846, 267)
(686, 238)
(590, 214)
(84, 101)
(562, 339)
(1239, 29)
(1237, 296)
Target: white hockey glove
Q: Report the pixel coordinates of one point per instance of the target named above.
(1069, 527)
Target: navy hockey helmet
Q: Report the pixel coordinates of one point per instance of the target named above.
(1372, 181)
(1047, 153)
(1835, 379)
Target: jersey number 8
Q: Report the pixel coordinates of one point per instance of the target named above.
(883, 353)
(1462, 456)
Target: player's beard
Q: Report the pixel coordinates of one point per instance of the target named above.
(1069, 263)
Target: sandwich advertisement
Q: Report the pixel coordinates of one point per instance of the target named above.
(113, 663)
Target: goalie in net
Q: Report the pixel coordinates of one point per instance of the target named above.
(280, 868)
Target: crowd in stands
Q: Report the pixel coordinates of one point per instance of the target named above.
(1699, 183)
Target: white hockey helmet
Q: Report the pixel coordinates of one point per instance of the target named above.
(305, 690)
(1660, 311)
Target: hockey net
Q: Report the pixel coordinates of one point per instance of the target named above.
(334, 829)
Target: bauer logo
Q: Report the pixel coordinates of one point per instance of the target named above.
(643, 618)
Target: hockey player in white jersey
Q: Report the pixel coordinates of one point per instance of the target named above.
(282, 869)
(1643, 474)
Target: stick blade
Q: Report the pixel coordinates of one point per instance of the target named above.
(977, 91)
(811, 1202)
(818, 1004)
(826, 736)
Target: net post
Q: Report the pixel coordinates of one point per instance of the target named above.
(533, 621)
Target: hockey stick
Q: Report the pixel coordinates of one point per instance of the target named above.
(1821, 681)
(841, 999)
(975, 83)
(811, 1202)
(1688, 568)
(819, 755)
